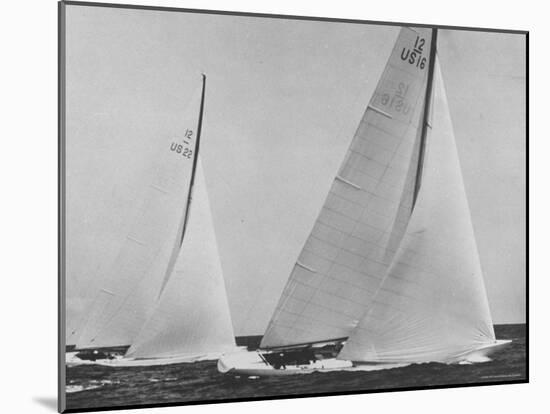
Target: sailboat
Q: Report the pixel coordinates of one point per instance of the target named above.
(163, 299)
(390, 273)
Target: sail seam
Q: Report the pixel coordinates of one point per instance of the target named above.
(311, 318)
(370, 158)
(408, 72)
(400, 262)
(338, 296)
(328, 224)
(347, 266)
(381, 112)
(135, 240)
(162, 190)
(364, 206)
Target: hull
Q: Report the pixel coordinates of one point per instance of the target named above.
(252, 363)
(90, 356)
(71, 360)
(121, 361)
(148, 362)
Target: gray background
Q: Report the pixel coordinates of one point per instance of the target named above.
(283, 101)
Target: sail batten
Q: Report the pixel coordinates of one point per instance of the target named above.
(379, 111)
(342, 179)
(348, 245)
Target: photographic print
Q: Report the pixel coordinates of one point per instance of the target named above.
(258, 206)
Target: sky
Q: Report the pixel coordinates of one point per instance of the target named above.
(283, 100)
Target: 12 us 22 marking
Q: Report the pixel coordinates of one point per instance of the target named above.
(183, 149)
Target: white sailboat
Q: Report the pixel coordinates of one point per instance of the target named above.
(191, 320)
(390, 274)
(165, 295)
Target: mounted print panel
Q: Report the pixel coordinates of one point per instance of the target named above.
(258, 206)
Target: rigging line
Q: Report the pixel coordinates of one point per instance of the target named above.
(426, 116)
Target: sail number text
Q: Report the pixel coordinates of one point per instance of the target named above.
(414, 56)
(397, 101)
(180, 148)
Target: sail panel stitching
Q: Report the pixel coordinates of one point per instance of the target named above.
(162, 190)
(135, 240)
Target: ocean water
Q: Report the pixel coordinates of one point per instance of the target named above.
(90, 386)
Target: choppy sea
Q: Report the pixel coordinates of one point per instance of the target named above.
(93, 387)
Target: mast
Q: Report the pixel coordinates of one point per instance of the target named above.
(426, 116)
(195, 159)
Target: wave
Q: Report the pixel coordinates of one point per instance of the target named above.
(91, 385)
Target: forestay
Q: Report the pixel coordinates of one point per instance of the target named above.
(192, 316)
(366, 211)
(132, 283)
(432, 305)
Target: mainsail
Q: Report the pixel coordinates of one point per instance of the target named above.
(432, 304)
(192, 315)
(132, 283)
(366, 212)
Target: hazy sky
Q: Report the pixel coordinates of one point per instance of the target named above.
(283, 101)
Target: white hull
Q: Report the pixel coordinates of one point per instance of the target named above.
(251, 363)
(148, 362)
(121, 361)
(71, 360)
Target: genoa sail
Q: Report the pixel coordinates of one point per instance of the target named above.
(432, 304)
(192, 315)
(366, 212)
(132, 283)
